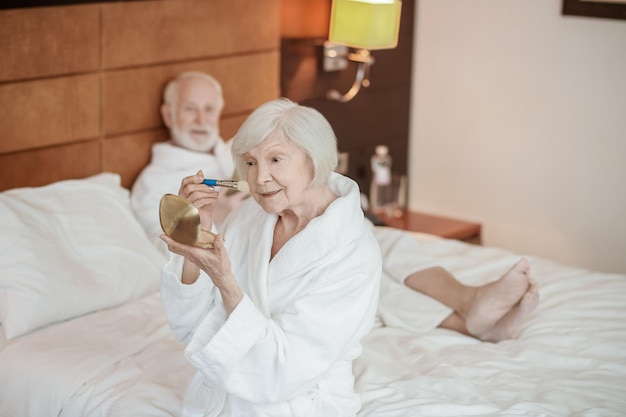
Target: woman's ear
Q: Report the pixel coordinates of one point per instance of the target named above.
(166, 114)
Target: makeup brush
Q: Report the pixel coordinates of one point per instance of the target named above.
(235, 185)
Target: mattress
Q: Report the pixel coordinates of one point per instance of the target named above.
(570, 359)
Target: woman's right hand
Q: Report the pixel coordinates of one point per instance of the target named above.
(201, 196)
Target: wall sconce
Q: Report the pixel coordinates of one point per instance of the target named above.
(363, 25)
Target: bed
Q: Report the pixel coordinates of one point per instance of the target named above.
(83, 331)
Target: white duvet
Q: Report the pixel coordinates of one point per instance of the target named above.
(570, 360)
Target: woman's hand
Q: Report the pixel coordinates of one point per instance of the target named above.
(215, 263)
(202, 196)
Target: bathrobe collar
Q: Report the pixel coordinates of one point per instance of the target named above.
(326, 237)
(340, 223)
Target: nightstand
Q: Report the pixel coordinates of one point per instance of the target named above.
(436, 225)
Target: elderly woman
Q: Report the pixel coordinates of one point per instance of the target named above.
(274, 313)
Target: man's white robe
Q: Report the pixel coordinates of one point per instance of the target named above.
(399, 305)
(287, 348)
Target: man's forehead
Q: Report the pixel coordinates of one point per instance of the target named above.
(195, 87)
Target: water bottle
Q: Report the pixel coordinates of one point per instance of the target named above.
(381, 192)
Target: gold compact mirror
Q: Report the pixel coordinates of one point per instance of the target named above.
(180, 220)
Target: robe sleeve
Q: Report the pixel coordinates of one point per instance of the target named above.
(395, 245)
(145, 197)
(399, 305)
(266, 360)
(187, 305)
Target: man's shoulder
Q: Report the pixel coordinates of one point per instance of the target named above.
(223, 146)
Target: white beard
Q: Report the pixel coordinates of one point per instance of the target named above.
(183, 138)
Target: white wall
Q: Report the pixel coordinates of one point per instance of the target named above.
(519, 122)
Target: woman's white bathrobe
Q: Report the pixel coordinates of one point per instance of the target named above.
(287, 348)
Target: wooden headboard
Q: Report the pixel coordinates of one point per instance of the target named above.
(81, 86)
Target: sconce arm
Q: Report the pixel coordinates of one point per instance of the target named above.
(365, 61)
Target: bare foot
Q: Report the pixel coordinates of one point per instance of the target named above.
(494, 300)
(510, 326)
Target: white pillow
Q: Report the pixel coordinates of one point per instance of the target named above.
(70, 248)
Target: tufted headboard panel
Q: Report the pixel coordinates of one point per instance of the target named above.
(81, 85)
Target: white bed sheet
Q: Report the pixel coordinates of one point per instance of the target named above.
(569, 361)
(65, 369)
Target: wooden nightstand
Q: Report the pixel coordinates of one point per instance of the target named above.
(435, 225)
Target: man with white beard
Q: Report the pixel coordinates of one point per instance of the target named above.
(191, 109)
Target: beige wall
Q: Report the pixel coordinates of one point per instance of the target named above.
(519, 122)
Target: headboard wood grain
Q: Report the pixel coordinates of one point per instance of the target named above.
(81, 86)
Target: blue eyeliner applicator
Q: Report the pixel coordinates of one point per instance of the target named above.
(235, 185)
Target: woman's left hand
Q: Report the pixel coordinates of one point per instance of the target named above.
(216, 263)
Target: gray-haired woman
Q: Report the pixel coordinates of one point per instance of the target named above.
(273, 315)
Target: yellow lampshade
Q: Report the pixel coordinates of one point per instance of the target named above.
(366, 24)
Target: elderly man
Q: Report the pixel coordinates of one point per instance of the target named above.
(191, 109)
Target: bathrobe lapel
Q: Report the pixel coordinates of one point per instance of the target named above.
(323, 238)
(259, 251)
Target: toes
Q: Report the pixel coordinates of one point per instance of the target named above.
(522, 266)
(531, 298)
(510, 326)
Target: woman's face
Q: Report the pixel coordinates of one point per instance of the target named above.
(278, 174)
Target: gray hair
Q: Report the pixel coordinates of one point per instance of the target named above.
(299, 125)
(170, 94)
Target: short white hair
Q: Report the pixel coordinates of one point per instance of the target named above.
(170, 94)
(299, 125)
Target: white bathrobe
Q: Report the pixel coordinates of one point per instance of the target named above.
(168, 166)
(287, 348)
